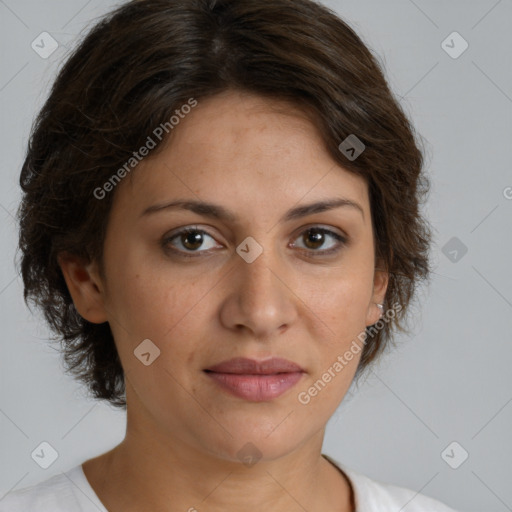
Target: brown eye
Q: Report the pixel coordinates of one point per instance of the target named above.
(188, 241)
(191, 240)
(316, 237)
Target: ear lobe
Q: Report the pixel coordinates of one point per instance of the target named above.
(380, 286)
(85, 287)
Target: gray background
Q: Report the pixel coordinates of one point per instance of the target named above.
(449, 381)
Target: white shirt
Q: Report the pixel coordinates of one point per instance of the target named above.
(70, 491)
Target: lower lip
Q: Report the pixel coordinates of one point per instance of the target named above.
(257, 388)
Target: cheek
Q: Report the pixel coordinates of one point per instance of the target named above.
(156, 307)
(148, 294)
(342, 306)
(342, 302)
(173, 313)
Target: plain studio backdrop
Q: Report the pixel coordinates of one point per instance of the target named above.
(436, 414)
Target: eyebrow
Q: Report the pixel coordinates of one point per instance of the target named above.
(220, 213)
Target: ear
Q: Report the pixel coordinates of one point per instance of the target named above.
(85, 286)
(380, 285)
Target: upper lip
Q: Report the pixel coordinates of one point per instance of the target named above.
(243, 365)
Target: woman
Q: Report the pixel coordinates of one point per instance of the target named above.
(221, 222)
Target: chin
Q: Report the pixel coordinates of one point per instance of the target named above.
(260, 441)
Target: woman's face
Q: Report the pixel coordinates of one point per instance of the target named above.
(258, 284)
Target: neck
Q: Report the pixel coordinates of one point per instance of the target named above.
(141, 473)
(164, 469)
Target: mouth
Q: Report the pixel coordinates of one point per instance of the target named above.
(256, 381)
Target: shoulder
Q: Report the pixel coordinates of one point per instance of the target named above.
(375, 496)
(40, 497)
(378, 496)
(59, 493)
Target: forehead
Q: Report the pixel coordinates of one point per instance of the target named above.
(238, 148)
(239, 125)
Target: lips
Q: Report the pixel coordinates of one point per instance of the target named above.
(256, 381)
(242, 365)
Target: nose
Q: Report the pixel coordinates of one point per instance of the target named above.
(259, 300)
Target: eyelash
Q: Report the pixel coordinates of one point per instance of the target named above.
(342, 241)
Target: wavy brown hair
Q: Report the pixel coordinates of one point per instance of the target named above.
(140, 63)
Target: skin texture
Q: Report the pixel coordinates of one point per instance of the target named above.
(257, 158)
